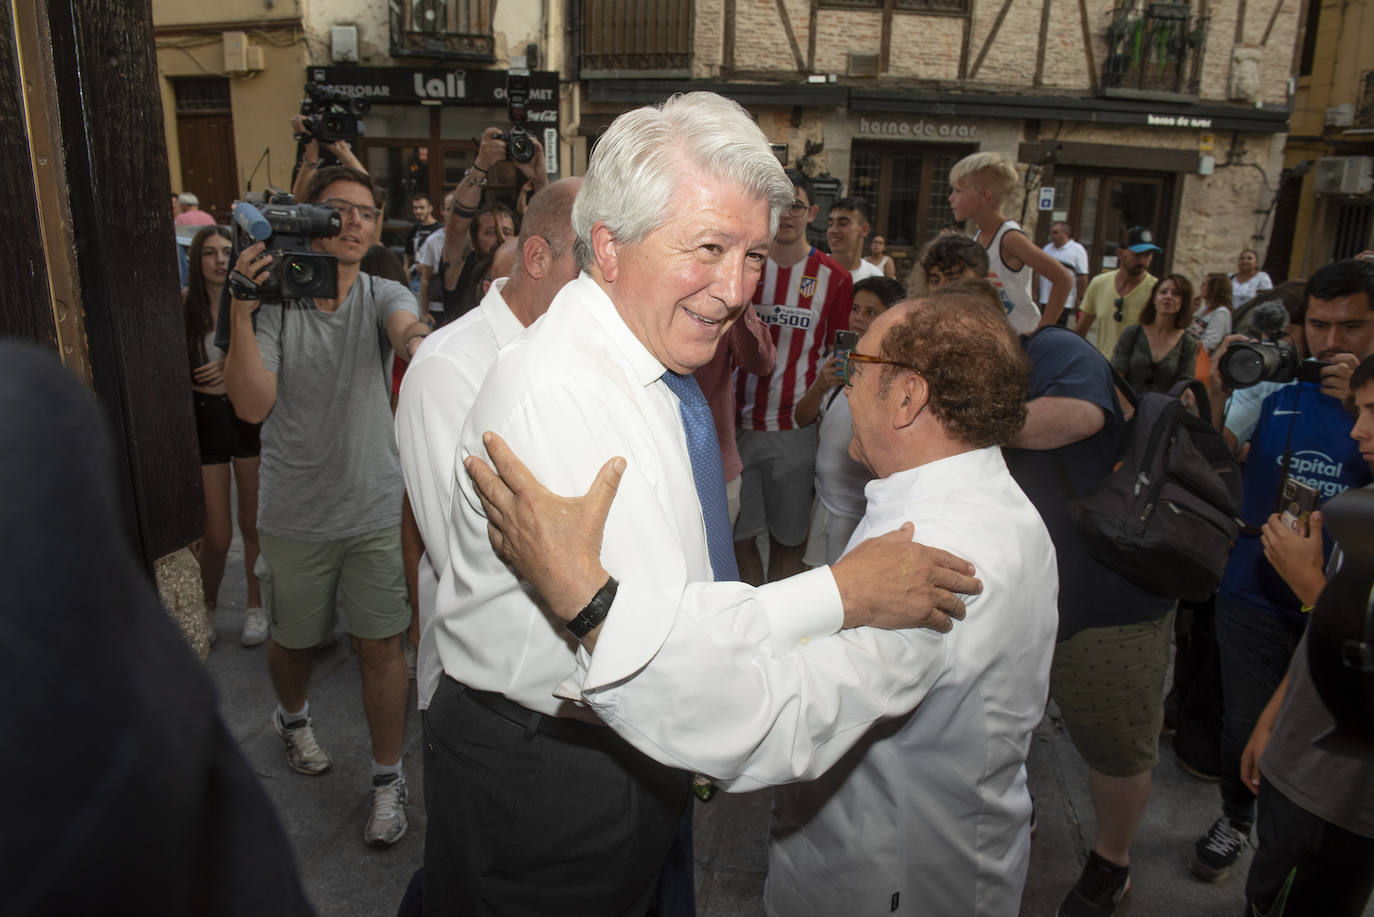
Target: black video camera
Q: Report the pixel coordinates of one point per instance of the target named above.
(332, 115)
(519, 143)
(274, 217)
(1272, 357)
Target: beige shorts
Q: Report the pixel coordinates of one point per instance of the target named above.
(304, 581)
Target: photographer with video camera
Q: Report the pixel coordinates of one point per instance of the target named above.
(1297, 432)
(462, 281)
(309, 366)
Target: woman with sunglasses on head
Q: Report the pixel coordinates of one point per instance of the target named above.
(1159, 351)
(840, 480)
(226, 442)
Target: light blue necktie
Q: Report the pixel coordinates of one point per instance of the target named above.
(708, 472)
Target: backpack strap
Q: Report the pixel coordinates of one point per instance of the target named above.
(1204, 402)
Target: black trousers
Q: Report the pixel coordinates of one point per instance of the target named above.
(1334, 868)
(520, 822)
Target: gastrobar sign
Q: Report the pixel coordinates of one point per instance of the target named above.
(408, 86)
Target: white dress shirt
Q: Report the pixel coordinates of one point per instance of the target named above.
(576, 389)
(928, 809)
(436, 394)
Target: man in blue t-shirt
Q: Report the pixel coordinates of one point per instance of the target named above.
(1303, 432)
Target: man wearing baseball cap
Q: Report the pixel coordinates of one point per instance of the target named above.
(1114, 298)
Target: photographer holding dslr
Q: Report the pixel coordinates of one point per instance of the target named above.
(1298, 434)
(462, 278)
(309, 366)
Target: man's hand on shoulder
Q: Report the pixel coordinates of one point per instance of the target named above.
(553, 542)
(893, 583)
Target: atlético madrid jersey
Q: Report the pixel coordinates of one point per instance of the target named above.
(803, 306)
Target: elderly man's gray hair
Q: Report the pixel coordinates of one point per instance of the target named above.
(641, 158)
(188, 199)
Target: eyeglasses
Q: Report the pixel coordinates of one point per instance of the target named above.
(1120, 303)
(345, 208)
(851, 357)
(797, 206)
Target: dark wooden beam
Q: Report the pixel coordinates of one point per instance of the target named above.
(106, 91)
(1273, 18)
(26, 308)
(791, 35)
(992, 36)
(1107, 156)
(811, 37)
(885, 49)
(727, 58)
(1039, 77)
(1088, 43)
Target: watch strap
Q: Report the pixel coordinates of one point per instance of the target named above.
(596, 610)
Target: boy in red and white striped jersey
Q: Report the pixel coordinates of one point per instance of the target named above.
(804, 297)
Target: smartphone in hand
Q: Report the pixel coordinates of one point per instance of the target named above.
(1297, 500)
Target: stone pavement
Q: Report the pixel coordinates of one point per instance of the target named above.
(324, 816)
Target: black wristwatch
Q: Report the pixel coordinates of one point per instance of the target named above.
(588, 618)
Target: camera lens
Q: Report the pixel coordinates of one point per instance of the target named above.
(303, 273)
(1242, 366)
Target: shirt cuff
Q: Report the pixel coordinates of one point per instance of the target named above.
(802, 608)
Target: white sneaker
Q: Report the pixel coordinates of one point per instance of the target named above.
(387, 823)
(254, 627)
(304, 755)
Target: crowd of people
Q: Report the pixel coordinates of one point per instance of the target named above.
(759, 514)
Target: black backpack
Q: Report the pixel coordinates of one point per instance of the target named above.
(1165, 518)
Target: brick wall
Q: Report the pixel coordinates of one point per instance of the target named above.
(928, 47)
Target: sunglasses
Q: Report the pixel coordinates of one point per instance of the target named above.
(852, 357)
(1119, 304)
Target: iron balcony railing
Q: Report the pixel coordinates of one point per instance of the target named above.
(1154, 48)
(456, 29)
(636, 37)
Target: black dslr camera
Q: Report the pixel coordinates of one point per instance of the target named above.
(519, 144)
(287, 228)
(1271, 358)
(332, 115)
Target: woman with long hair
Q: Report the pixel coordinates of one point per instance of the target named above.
(226, 442)
(1212, 314)
(1159, 351)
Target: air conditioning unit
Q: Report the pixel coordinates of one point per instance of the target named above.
(1344, 175)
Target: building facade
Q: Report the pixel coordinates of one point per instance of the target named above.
(1326, 199)
(432, 72)
(1164, 114)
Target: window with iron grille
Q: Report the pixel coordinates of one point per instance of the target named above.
(1353, 222)
(454, 29)
(201, 94)
(1364, 109)
(639, 36)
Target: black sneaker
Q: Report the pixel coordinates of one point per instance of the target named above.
(1098, 890)
(1216, 851)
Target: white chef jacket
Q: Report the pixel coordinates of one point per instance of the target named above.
(929, 810)
(576, 389)
(437, 392)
